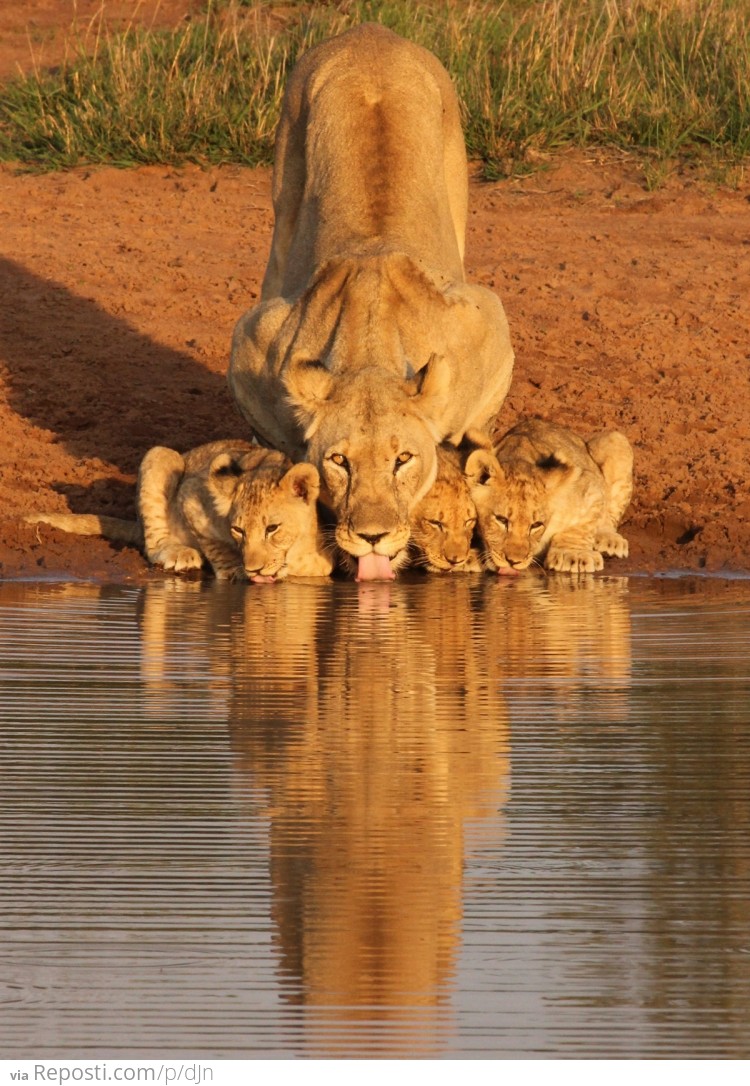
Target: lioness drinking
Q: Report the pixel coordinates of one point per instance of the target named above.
(368, 347)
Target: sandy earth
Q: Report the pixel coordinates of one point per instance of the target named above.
(119, 291)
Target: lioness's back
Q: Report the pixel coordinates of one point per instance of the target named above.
(369, 122)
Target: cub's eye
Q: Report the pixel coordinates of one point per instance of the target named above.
(537, 526)
(403, 458)
(502, 521)
(437, 524)
(271, 528)
(237, 532)
(339, 459)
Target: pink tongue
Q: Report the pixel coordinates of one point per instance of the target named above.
(260, 579)
(375, 567)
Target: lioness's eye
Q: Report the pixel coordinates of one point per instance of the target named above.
(339, 459)
(403, 458)
(470, 523)
(537, 526)
(502, 520)
(436, 524)
(271, 528)
(237, 532)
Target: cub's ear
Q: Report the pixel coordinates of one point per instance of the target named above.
(308, 386)
(554, 468)
(225, 472)
(553, 462)
(303, 481)
(475, 439)
(482, 467)
(431, 390)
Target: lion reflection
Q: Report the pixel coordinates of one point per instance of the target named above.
(384, 751)
(557, 637)
(370, 727)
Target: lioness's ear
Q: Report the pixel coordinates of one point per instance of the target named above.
(433, 391)
(481, 467)
(303, 481)
(308, 384)
(225, 472)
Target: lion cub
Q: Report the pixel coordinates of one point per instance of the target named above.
(245, 509)
(442, 524)
(547, 494)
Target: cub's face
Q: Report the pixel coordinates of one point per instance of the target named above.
(442, 525)
(512, 512)
(268, 516)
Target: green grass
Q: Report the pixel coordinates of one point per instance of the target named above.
(671, 77)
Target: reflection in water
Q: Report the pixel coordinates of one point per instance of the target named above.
(452, 816)
(396, 739)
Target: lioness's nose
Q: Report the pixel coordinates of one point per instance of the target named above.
(373, 539)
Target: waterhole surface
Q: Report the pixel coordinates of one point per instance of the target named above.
(463, 816)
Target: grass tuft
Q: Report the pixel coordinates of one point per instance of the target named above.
(672, 78)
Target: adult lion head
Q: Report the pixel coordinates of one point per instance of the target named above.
(373, 437)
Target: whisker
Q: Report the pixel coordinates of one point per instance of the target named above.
(485, 556)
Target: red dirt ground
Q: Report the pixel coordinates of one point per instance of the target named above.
(119, 291)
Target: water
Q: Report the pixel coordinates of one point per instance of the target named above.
(452, 817)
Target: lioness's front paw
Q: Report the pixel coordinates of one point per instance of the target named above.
(176, 557)
(612, 543)
(574, 561)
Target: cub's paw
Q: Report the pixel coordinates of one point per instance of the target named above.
(176, 557)
(472, 564)
(312, 565)
(233, 573)
(610, 542)
(570, 560)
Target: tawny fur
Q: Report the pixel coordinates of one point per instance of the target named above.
(368, 346)
(442, 524)
(218, 503)
(546, 495)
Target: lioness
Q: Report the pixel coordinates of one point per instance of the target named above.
(547, 494)
(245, 509)
(368, 346)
